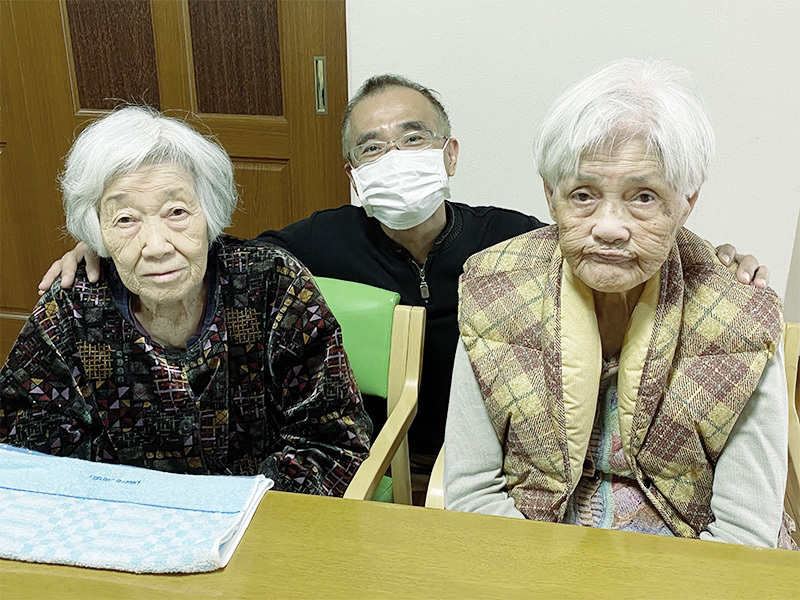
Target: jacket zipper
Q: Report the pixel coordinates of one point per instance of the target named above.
(424, 291)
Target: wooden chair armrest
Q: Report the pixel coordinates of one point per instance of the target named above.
(392, 434)
(435, 496)
(792, 497)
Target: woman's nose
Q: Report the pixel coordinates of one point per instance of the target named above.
(156, 243)
(611, 225)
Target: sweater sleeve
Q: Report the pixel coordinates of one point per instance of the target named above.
(750, 476)
(295, 238)
(473, 459)
(42, 404)
(323, 428)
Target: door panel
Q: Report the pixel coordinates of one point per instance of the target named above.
(242, 71)
(112, 51)
(229, 80)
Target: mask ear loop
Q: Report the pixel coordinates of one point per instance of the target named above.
(446, 141)
(445, 174)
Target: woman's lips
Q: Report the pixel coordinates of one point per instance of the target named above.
(611, 257)
(164, 276)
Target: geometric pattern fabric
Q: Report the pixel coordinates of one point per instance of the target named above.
(265, 387)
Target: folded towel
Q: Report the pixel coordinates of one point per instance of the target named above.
(76, 512)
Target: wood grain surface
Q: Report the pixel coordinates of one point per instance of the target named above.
(311, 547)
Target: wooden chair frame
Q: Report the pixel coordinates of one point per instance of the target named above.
(791, 349)
(391, 445)
(435, 496)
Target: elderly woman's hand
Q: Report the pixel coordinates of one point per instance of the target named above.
(749, 270)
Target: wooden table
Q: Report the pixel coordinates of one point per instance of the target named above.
(310, 547)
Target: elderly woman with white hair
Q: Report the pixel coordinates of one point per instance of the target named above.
(195, 352)
(612, 372)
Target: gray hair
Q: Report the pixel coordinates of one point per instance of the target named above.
(377, 84)
(623, 100)
(134, 137)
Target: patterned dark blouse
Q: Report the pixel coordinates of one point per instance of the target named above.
(264, 387)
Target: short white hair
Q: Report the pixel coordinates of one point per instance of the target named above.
(623, 100)
(134, 137)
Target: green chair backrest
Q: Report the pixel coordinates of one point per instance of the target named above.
(365, 314)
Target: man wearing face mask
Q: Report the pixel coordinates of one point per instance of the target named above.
(408, 237)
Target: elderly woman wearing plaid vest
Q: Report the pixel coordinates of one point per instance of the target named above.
(611, 372)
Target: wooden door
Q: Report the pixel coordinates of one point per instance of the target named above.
(243, 70)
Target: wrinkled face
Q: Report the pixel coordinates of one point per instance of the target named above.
(618, 218)
(156, 233)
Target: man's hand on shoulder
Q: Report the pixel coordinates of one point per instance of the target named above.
(67, 265)
(749, 270)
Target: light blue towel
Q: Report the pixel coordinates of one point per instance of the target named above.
(76, 512)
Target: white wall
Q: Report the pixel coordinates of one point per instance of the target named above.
(498, 64)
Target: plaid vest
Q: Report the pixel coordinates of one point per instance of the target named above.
(694, 351)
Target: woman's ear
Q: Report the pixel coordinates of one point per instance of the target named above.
(548, 194)
(691, 200)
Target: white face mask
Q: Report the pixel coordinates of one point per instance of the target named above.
(403, 188)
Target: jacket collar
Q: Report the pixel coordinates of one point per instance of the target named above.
(451, 231)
